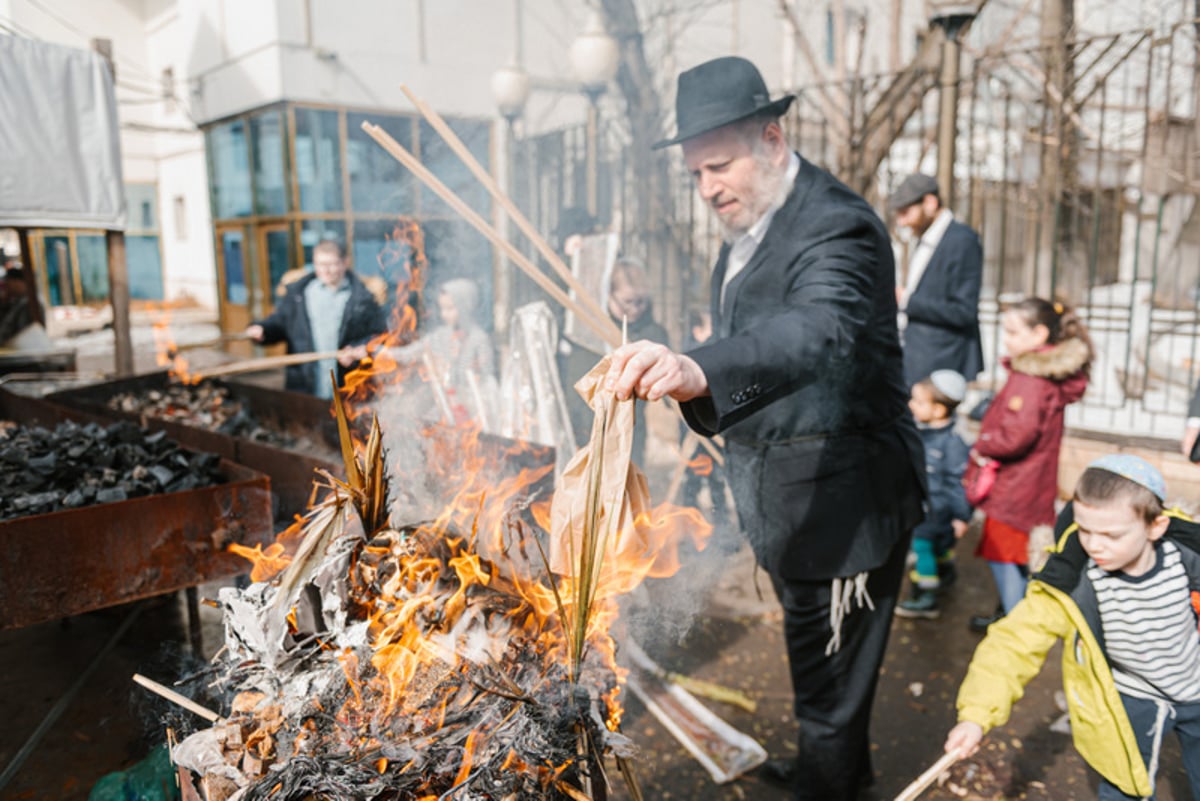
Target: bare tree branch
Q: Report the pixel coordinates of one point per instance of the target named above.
(887, 118)
(835, 108)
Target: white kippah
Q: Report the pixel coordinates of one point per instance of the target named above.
(950, 384)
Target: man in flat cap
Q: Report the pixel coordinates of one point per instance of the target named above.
(939, 302)
(803, 378)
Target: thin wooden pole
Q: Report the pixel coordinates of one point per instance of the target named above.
(118, 270)
(35, 305)
(118, 296)
(265, 363)
(927, 778)
(603, 328)
(548, 253)
(174, 697)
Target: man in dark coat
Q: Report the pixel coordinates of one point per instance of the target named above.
(803, 378)
(939, 302)
(329, 309)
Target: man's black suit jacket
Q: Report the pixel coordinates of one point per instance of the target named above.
(806, 386)
(943, 310)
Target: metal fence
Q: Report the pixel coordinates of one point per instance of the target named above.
(1084, 188)
(1077, 164)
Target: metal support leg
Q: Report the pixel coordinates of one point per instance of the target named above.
(195, 635)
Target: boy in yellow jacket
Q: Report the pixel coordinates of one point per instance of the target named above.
(1122, 592)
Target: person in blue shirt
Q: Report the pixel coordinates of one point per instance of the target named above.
(328, 310)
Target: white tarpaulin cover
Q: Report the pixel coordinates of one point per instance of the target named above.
(60, 155)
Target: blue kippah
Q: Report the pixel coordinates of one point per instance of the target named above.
(1136, 469)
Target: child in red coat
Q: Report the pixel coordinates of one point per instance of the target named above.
(1049, 354)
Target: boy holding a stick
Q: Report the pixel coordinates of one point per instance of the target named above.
(1122, 591)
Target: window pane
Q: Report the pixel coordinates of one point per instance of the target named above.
(370, 240)
(233, 252)
(378, 183)
(278, 244)
(145, 267)
(318, 160)
(93, 267)
(57, 256)
(142, 202)
(270, 187)
(443, 163)
(230, 170)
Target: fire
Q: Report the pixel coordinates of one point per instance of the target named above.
(266, 563)
(403, 261)
(466, 651)
(166, 351)
(702, 465)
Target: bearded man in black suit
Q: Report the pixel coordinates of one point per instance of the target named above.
(803, 377)
(939, 303)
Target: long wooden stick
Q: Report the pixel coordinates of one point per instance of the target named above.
(208, 343)
(548, 253)
(927, 778)
(265, 363)
(603, 328)
(171, 695)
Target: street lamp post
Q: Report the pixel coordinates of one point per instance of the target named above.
(510, 89)
(951, 18)
(594, 60)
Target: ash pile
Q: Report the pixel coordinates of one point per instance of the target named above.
(205, 405)
(72, 465)
(372, 659)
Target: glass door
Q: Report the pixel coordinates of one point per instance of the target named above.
(234, 283)
(274, 271)
(60, 273)
(276, 262)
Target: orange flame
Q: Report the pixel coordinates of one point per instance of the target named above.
(166, 351)
(403, 261)
(266, 563)
(448, 602)
(702, 465)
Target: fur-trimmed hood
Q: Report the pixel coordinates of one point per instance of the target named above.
(1055, 362)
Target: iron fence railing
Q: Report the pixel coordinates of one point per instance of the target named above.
(1078, 164)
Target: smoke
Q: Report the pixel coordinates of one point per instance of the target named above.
(662, 613)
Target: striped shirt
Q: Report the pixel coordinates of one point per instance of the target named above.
(1150, 630)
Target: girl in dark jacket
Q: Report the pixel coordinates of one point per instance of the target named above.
(1049, 354)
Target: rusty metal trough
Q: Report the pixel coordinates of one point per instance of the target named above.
(291, 471)
(65, 563)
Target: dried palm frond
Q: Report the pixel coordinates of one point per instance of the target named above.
(366, 476)
(600, 494)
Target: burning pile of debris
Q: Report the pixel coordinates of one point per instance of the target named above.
(469, 655)
(76, 465)
(205, 405)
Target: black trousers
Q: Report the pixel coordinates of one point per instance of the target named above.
(834, 693)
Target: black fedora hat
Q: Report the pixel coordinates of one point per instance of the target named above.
(719, 92)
